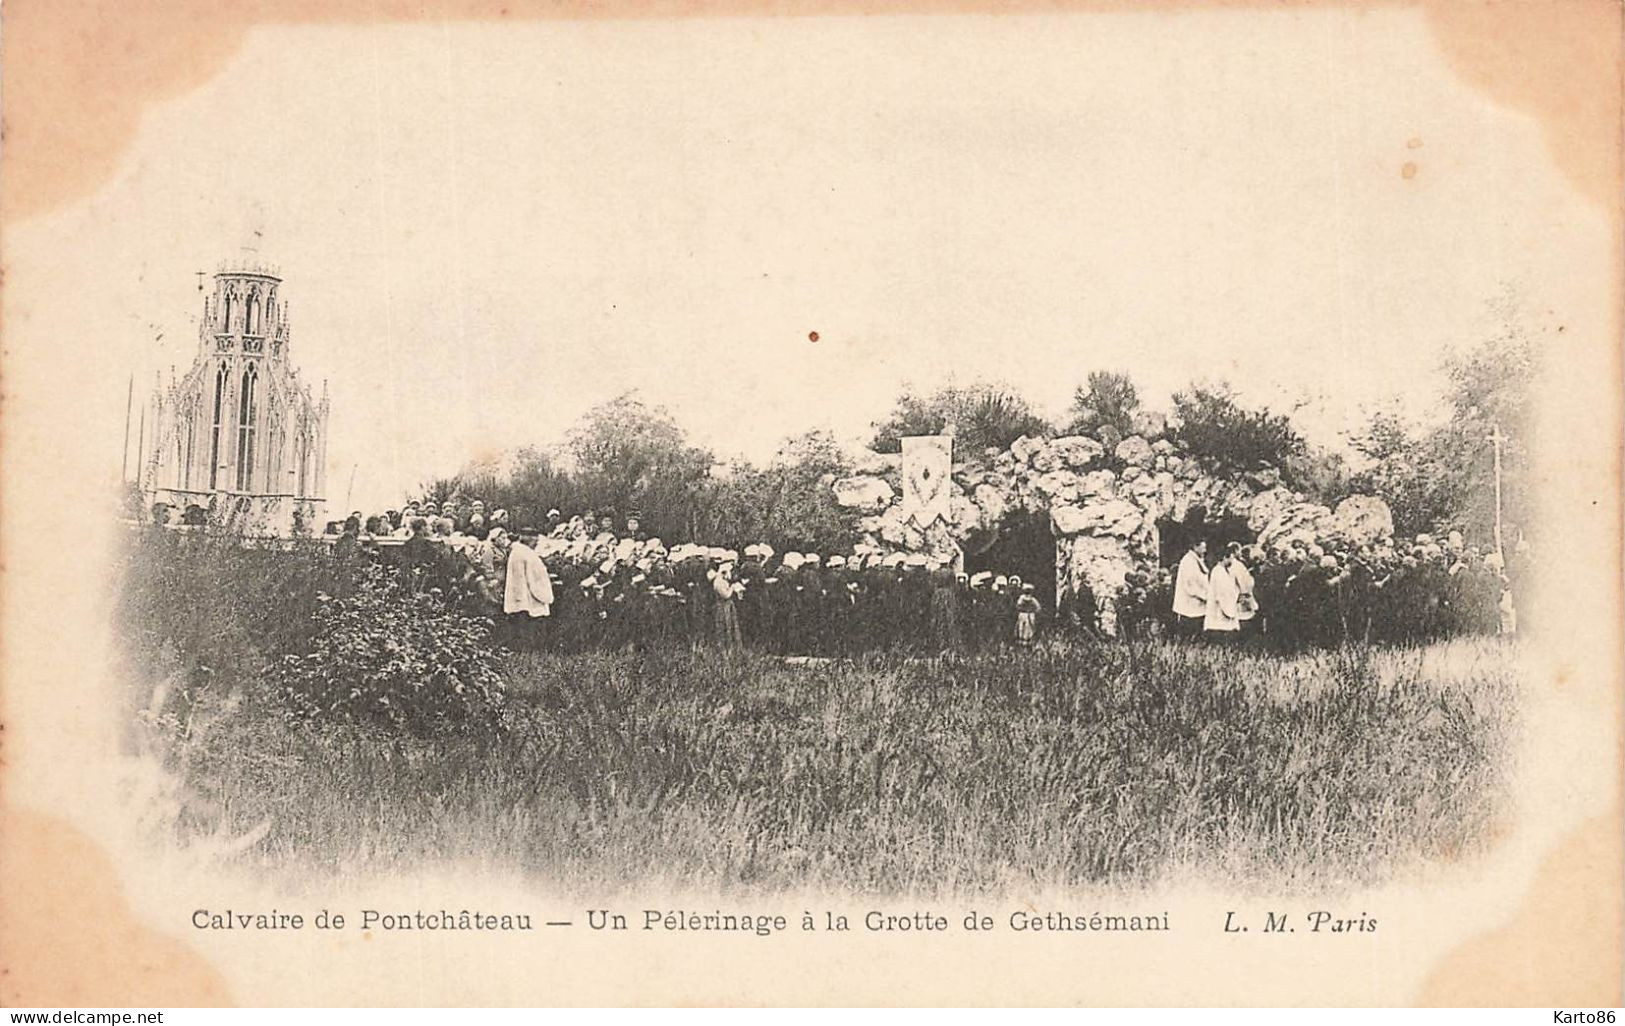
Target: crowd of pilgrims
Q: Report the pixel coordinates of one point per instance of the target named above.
(589, 583)
(581, 584)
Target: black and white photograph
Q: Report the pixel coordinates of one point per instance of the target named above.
(887, 507)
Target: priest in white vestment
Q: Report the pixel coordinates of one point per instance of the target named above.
(529, 589)
(1191, 587)
(1223, 600)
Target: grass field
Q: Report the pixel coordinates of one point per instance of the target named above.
(1121, 763)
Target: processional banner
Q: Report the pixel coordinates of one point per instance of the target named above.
(927, 477)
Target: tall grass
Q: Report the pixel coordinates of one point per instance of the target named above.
(1056, 767)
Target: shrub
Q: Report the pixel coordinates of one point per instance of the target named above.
(981, 416)
(1228, 438)
(1111, 400)
(387, 656)
(337, 637)
(216, 607)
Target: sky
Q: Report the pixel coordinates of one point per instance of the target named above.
(483, 233)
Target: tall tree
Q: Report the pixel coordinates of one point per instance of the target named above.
(1445, 478)
(1402, 471)
(629, 455)
(788, 503)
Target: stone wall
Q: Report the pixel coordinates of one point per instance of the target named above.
(1104, 498)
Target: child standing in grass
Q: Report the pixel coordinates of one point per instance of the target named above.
(1027, 609)
(727, 594)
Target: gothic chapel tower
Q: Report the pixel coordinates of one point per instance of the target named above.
(239, 431)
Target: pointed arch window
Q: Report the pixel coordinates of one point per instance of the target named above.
(303, 442)
(273, 452)
(225, 312)
(217, 432)
(183, 425)
(190, 441)
(246, 428)
(251, 309)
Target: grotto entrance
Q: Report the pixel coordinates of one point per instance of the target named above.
(1174, 536)
(1024, 547)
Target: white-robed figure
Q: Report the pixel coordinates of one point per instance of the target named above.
(1229, 594)
(1223, 601)
(1191, 588)
(1247, 604)
(529, 589)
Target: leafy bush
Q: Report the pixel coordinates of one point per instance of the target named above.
(1229, 438)
(787, 503)
(1111, 400)
(339, 638)
(218, 608)
(981, 416)
(388, 656)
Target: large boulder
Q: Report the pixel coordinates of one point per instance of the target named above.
(1063, 485)
(1300, 524)
(1263, 480)
(877, 464)
(1070, 520)
(1123, 518)
(1076, 451)
(1146, 488)
(1149, 424)
(1101, 565)
(1045, 459)
(1199, 490)
(863, 493)
(1266, 506)
(1135, 450)
(1023, 448)
(992, 502)
(1363, 520)
(1097, 484)
(1114, 517)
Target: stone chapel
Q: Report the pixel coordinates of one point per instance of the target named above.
(239, 435)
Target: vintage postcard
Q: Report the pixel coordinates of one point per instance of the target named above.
(906, 503)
